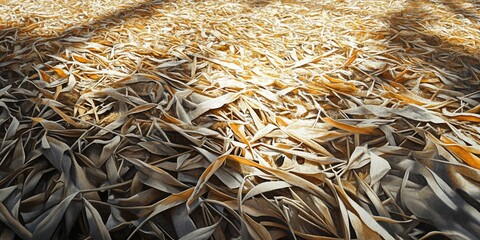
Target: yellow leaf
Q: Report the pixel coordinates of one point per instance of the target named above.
(44, 76)
(351, 59)
(470, 117)
(206, 175)
(60, 72)
(475, 109)
(36, 120)
(58, 90)
(80, 58)
(239, 131)
(403, 98)
(171, 119)
(460, 152)
(350, 128)
(65, 116)
(339, 85)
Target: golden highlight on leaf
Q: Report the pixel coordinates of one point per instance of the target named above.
(349, 128)
(143, 119)
(461, 152)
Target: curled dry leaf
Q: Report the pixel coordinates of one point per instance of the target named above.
(239, 119)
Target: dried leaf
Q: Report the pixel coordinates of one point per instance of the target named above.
(201, 233)
(95, 223)
(349, 128)
(49, 223)
(256, 230)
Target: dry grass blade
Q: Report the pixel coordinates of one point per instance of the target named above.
(276, 119)
(201, 233)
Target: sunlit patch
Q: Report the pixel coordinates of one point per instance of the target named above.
(273, 119)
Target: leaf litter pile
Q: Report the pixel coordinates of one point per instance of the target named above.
(239, 119)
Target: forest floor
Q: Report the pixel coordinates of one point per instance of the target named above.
(226, 119)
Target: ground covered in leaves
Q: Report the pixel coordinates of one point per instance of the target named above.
(233, 119)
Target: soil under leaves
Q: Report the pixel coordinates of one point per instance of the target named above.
(233, 119)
